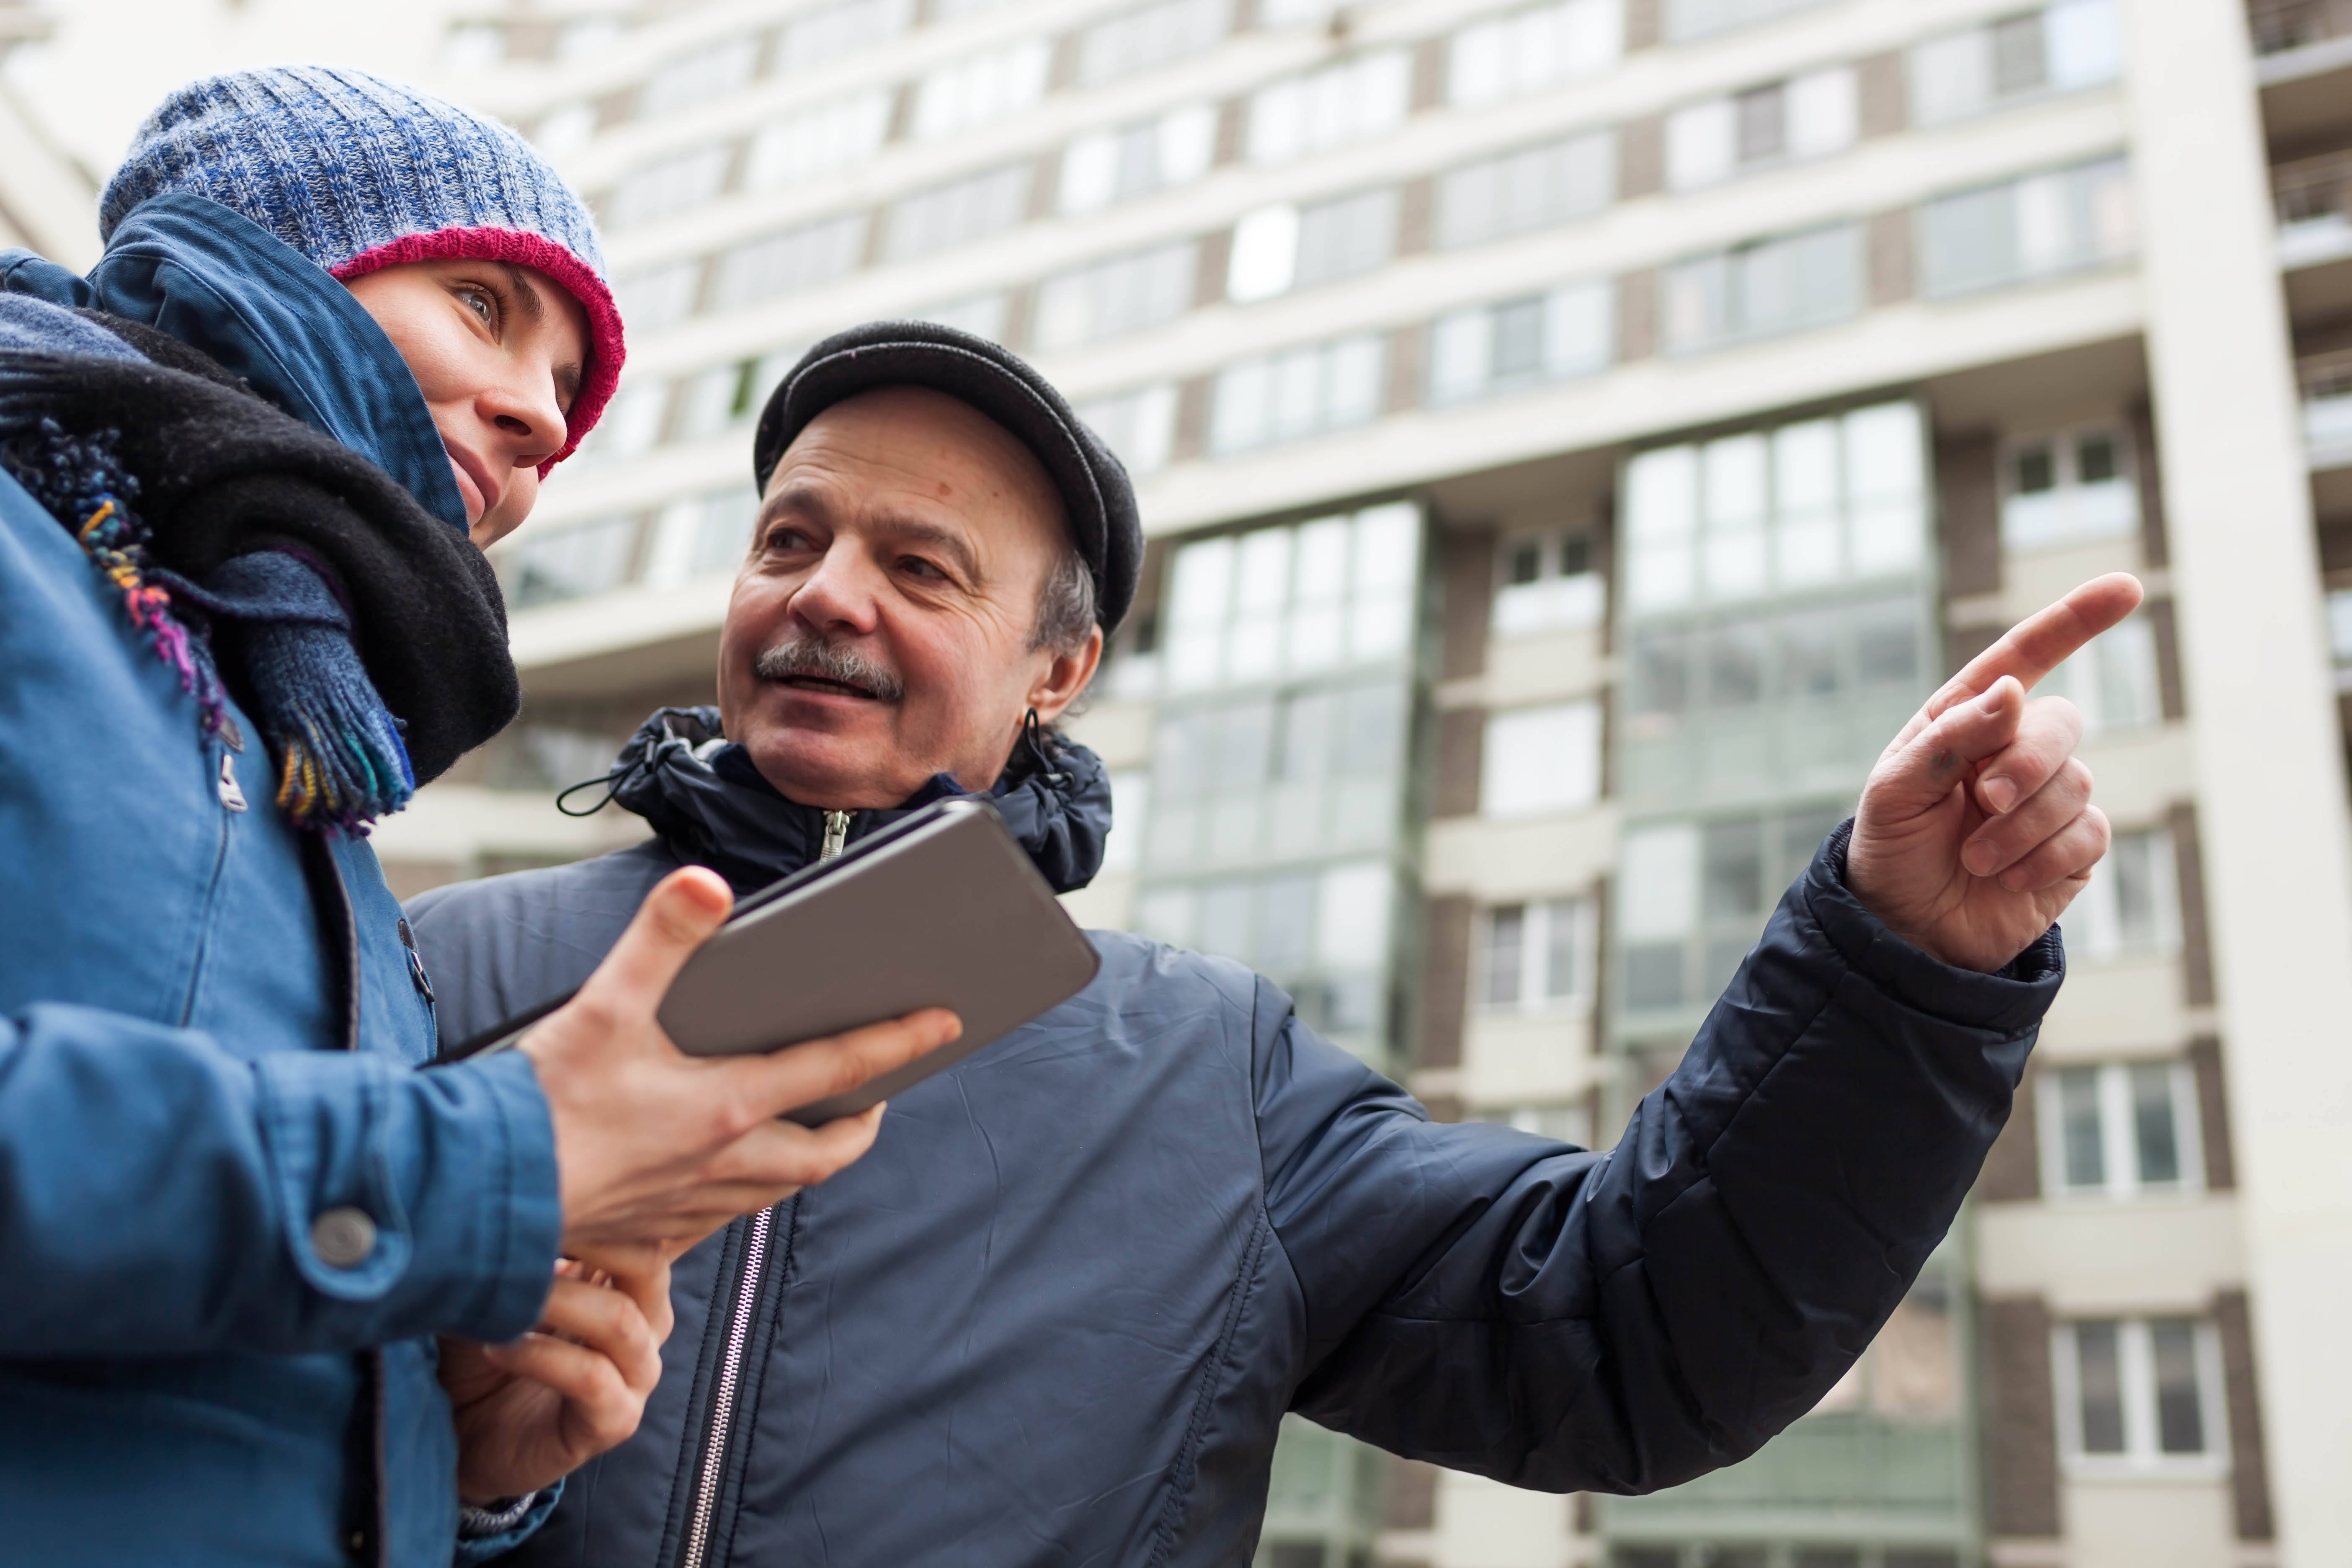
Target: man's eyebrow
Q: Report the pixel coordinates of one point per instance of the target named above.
(947, 542)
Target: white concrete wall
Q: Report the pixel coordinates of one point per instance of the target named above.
(2270, 777)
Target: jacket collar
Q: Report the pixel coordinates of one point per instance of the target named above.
(219, 283)
(699, 791)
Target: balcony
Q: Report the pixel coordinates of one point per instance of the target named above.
(2311, 198)
(2282, 27)
(2326, 383)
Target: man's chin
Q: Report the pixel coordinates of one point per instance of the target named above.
(834, 766)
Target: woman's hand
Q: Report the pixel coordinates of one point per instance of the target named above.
(531, 1412)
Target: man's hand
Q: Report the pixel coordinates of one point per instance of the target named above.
(529, 1413)
(1977, 828)
(657, 1149)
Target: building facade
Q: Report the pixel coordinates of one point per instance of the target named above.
(1573, 438)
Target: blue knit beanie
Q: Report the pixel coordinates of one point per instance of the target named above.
(359, 174)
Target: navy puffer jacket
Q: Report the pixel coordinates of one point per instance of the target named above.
(1056, 1315)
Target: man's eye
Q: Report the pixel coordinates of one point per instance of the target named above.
(788, 539)
(915, 566)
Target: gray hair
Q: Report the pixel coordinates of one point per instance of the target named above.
(1066, 607)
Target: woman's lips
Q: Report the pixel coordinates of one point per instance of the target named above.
(473, 484)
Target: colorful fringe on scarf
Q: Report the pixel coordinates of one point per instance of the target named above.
(340, 761)
(85, 487)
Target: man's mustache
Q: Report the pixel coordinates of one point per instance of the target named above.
(819, 659)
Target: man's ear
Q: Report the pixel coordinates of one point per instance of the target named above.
(1066, 677)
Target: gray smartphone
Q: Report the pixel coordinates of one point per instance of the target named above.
(943, 910)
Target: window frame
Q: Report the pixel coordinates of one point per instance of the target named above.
(2141, 1456)
(2120, 1179)
(1536, 914)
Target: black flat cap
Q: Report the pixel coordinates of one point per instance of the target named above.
(1093, 483)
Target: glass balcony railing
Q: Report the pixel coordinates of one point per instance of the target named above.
(2326, 380)
(2283, 25)
(2313, 200)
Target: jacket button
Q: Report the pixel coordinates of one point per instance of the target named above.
(342, 1237)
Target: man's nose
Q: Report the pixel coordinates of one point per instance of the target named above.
(839, 594)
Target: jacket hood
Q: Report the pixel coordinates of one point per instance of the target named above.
(699, 791)
(219, 283)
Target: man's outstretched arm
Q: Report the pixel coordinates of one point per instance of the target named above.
(1625, 1322)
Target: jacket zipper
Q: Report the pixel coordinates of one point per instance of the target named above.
(738, 1325)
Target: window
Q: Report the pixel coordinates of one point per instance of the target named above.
(1331, 107)
(572, 562)
(959, 212)
(1123, 294)
(1488, 349)
(657, 297)
(2068, 486)
(1688, 19)
(1764, 287)
(631, 425)
(2133, 904)
(1537, 956)
(2339, 635)
(695, 79)
(2070, 45)
(671, 186)
(1130, 809)
(1280, 603)
(1570, 1124)
(796, 259)
(966, 94)
(2114, 681)
(1804, 116)
(1338, 919)
(1691, 897)
(1296, 394)
(1531, 49)
(1911, 1373)
(2038, 227)
(818, 140)
(1531, 188)
(2121, 1131)
(1139, 426)
(982, 315)
(843, 28)
(1150, 37)
(1110, 167)
(2139, 1394)
(1547, 584)
(713, 401)
(1807, 505)
(1541, 759)
(1282, 247)
(700, 535)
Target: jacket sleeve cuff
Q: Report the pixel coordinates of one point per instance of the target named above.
(523, 1224)
(2013, 999)
(484, 1533)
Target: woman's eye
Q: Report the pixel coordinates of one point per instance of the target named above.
(480, 303)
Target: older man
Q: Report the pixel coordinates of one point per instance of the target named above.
(1057, 1314)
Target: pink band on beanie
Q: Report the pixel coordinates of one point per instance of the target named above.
(606, 349)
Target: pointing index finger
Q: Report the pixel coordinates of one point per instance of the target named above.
(2039, 644)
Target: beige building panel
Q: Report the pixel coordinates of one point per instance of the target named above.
(1486, 1524)
(2122, 1005)
(2141, 774)
(453, 823)
(1517, 1060)
(2092, 1257)
(1118, 732)
(1104, 904)
(1496, 861)
(2149, 1524)
(1543, 669)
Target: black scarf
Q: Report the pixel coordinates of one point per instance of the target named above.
(353, 603)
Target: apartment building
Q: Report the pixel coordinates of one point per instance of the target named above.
(47, 202)
(1573, 437)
